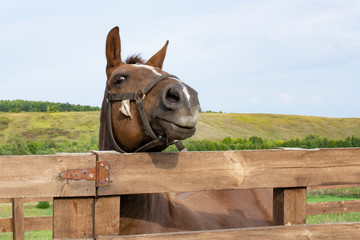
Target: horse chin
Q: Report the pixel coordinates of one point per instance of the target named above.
(174, 131)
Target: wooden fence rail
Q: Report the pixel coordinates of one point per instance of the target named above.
(333, 207)
(53, 176)
(46, 222)
(18, 223)
(342, 231)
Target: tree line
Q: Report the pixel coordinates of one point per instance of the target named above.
(42, 106)
(18, 145)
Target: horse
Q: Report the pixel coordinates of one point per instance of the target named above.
(145, 109)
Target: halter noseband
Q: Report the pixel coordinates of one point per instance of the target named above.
(138, 97)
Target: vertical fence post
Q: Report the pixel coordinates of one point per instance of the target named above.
(73, 218)
(289, 206)
(18, 218)
(107, 216)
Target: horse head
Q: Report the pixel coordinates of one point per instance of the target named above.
(144, 107)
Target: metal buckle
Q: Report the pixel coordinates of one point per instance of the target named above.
(140, 96)
(108, 96)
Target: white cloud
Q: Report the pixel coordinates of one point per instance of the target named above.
(254, 100)
(285, 98)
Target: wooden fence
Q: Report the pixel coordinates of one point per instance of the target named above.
(82, 207)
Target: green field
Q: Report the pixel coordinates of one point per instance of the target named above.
(77, 126)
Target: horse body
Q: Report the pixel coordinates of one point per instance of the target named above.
(209, 210)
(171, 110)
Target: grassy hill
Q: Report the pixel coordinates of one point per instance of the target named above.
(216, 126)
(70, 126)
(57, 126)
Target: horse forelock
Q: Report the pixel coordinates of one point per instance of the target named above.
(135, 59)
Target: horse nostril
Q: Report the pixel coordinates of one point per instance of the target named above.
(173, 95)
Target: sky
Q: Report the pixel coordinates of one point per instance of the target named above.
(297, 57)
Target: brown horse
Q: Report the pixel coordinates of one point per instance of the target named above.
(146, 109)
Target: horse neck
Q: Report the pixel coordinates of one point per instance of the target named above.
(143, 207)
(157, 212)
(145, 213)
(143, 204)
(104, 140)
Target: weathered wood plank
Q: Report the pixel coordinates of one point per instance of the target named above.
(319, 232)
(38, 176)
(73, 238)
(107, 216)
(196, 171)
(6, 224)
(38, 223)
(18, 218)
(333, 187)
(73, 218)
(30, 224)
(333, 207)
(35, 199)
(289, 206)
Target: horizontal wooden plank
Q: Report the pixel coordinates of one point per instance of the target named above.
(30, 224)
(333, 187)
(196, 171)
(38, 223)
(318, 232)
(35, 199)
(333, 207)
(73, 238)
(38, 176)
(6, 225)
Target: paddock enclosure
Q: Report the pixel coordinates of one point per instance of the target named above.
(85, 189)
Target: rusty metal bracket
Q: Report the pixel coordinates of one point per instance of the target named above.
(101, 174)
(78, 174)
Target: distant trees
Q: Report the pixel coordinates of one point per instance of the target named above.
(40, 106)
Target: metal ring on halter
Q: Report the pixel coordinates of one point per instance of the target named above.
(108, 96)
(140, 96)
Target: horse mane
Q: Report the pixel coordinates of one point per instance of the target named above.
(135, 59)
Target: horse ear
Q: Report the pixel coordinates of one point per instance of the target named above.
(158, 58)
(113, 50)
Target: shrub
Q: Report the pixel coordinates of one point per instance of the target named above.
(43, 205)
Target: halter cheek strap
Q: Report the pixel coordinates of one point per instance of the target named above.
(138, 97)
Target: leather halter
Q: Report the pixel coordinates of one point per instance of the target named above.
(138, 97)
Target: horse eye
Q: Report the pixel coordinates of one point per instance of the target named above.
(119, 80)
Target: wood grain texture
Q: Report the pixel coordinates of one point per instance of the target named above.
(107, 216)
(73, 218)
(333, 207)
(6, 225)
(9, 200)
(30, 224)
(38, 223)
(333, 187)
(344, 231)
(18, 218)
(38, 176)
(74, 238)
(289, 206)
(196, 171)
